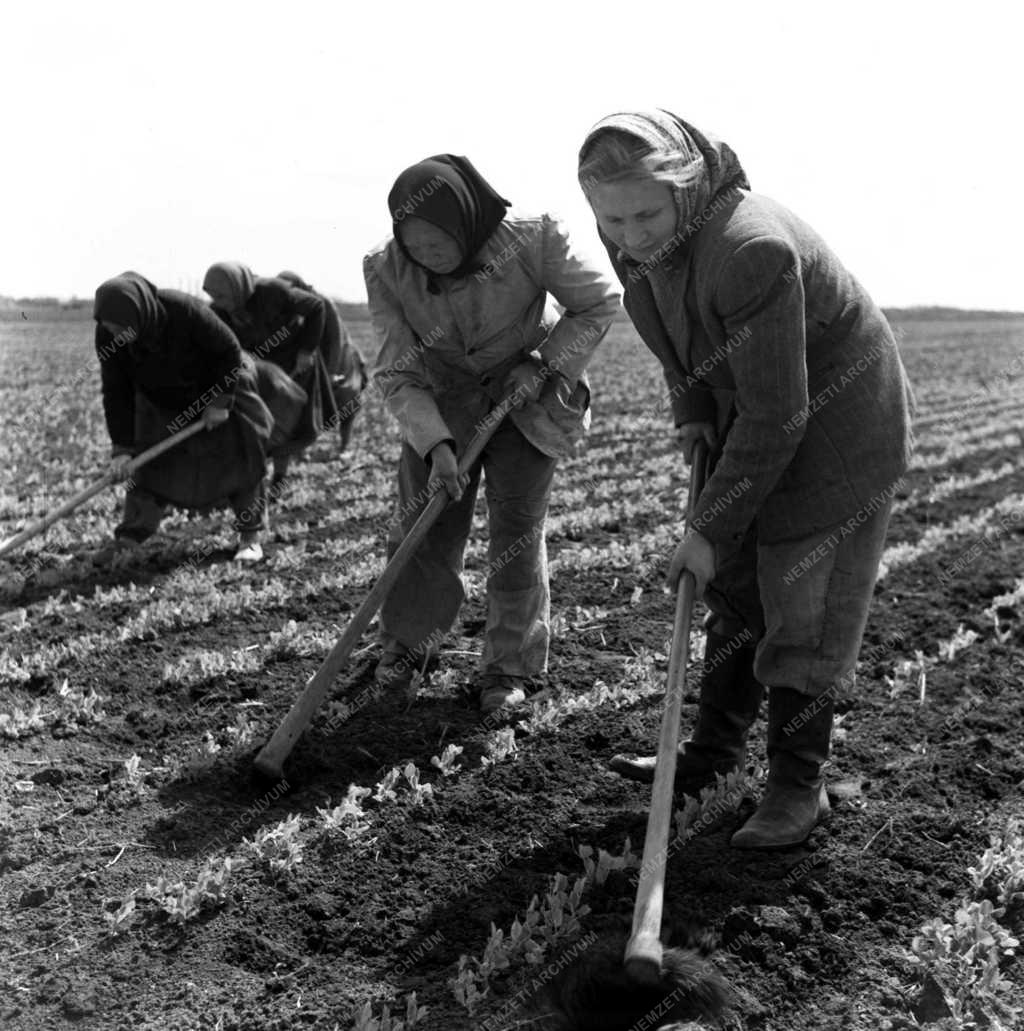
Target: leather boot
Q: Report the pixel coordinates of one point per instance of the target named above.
(795, 802)
(730, 698)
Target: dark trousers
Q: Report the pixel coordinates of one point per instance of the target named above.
(144, 510)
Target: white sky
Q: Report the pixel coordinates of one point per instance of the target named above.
(166, 136)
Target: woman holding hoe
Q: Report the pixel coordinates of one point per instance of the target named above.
(279, 323)
(459, 302)
(165, 360)
(777, 357)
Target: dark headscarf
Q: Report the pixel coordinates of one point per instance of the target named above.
(295, 279)
(130, 300)
(448, 192)
(271, 300)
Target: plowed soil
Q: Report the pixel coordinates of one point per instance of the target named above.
(813, 939)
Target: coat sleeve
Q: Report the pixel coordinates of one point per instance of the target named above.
(761, 304)
(688, 401)
(118, 388)
(221, 351)
(310, 336)
(588, 297)
(399, 373)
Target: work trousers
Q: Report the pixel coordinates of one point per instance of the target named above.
(425, 600)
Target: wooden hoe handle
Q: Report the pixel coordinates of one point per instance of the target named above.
(644, 949)
(270, 761)
(36, 528)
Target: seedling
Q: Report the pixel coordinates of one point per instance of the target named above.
(961, 640)
(527, 941)
(909, 673)
(78, 707)
(183, 902)
(999, 874)
(120, 920)
(465, 985)
(560, 917)
(242, 734)
(277, 847)
(500, 745)
(420, 792)
(446, 763)
(200, 759)
(597, 872)
(383, 790)
(963, 958)
(203, 665)
(348, 817)
(550, 713)
(724, 796)
(20, 723)
(134, 777)
(364, 1020)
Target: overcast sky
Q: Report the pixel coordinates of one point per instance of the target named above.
(166, 136)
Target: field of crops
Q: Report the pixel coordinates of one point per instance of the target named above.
(425, 863)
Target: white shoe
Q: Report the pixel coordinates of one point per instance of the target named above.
(252, 552)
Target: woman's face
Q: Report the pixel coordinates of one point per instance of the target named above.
(220, 297)
(115, 329)
(637, 215)
(429, 246)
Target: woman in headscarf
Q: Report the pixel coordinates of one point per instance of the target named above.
(276, 322)
(166, 360)
(459, 298)
(776, 356)
(346, 366)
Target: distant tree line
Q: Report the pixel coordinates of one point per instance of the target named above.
(927, 313)
(356, 311)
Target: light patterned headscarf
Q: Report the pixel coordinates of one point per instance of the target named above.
(233, 279)
(701, 166)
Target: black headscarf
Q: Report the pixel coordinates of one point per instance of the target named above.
(130, 300)
(271, 300)
(448, 192)
(294, 279)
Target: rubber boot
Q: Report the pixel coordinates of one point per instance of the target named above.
(795, 802)
(730, 697)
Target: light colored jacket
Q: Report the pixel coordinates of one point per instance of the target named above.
(444, 356)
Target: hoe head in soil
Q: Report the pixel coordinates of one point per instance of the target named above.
(597, 993)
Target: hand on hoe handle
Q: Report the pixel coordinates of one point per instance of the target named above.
(695, 552)
(445, 469)
(690, 432)
(214, 416)
(118, 468)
